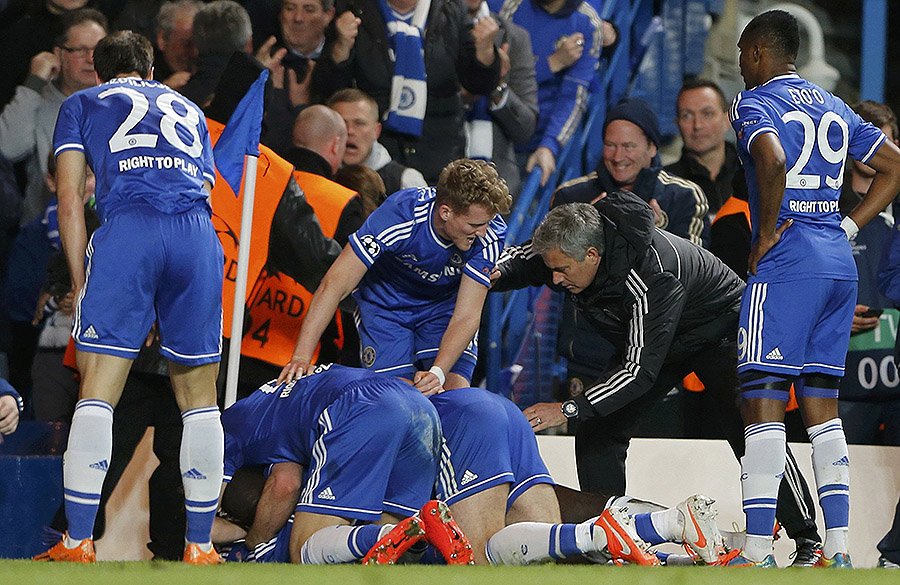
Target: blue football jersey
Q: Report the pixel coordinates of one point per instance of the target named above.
(817, 131)
(276, 422)
(142, 139)
(410, 265)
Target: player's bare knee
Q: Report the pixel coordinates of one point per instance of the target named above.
(455, 381)
(537, 504)
(194, 386)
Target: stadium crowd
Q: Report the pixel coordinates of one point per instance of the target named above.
(396, 137)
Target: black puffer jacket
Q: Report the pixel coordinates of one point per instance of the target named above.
(656, 297)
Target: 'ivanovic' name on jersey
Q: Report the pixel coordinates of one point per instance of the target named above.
(817, 131)
(142, 139)
(409, 263)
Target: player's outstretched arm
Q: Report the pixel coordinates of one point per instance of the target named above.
(462, 328)
(339, 281)
(71, 172)
(768, 155)
(884, 187)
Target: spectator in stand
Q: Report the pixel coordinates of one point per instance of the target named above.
(294, 51)
(631, 141)
(508, 115)
(35, 32)
(364, 181)
(302, 25)
(415, 76)
(27, 122)
(706, 159)
(870, 399)
(566, 37)
(360, 113)
(176, 52)
(220, 29)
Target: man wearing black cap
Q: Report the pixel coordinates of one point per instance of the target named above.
(631, 140)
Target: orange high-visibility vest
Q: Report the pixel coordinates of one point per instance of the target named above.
(280, 303)
(272, 176)
(734, 206)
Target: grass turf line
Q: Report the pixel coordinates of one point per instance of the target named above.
(22, 572)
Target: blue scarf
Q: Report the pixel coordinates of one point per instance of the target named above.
(409, 91)
(479, 126)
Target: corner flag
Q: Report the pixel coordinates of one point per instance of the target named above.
(241, 134)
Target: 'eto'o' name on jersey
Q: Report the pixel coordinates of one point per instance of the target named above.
(817, 131)
(410, 265)
(143, 141)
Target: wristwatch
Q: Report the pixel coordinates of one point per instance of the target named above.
(499, 91)
(569, 408)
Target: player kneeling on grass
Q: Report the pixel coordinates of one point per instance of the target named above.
(369, 445)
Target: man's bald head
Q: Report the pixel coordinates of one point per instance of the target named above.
(322, 130)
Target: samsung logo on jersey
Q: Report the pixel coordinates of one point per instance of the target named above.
(423, 274)
(813, 206)
(429, 276)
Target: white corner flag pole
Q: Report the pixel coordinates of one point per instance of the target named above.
(240, 286)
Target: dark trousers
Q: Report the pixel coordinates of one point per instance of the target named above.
(889, 547)
(601, 443)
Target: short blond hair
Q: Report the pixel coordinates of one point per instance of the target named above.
(465, 182)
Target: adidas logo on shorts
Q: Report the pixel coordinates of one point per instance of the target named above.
(90, 333)
(775, 355)
(326, 494)
(101, 465)
(192, 473)
(468, 477)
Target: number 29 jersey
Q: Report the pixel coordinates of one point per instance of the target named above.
(817, 131)
(143, 140)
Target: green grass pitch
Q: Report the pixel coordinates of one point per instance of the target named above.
(147, 573)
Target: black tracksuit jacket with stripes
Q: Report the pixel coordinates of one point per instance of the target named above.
(656, 297)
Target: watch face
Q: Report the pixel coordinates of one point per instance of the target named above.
(570, 408)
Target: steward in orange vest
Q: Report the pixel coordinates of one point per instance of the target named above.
(729, 234)
(340, 213)
(287, 240)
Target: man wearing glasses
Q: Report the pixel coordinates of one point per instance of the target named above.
(27, 122)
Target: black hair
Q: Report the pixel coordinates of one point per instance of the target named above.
(700, 83)
(123, 51)
(778, 30)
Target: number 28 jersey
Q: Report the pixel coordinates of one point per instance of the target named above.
(143, 140)
(817, 131)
